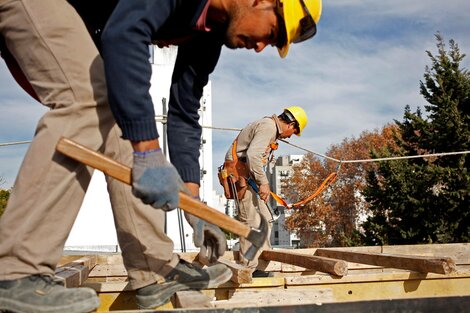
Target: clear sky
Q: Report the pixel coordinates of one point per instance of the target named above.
(357, 74)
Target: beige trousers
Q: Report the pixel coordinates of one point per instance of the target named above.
(54, 50)
(249, 214)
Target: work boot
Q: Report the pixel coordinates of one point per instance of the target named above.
(40, 293)
(184, 276)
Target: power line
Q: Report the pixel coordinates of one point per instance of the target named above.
(163, 119)
(379, 159)
(15, 143)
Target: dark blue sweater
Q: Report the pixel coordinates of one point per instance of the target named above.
(133, 25)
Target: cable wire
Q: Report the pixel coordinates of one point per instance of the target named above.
(15, 143)
(163, 119)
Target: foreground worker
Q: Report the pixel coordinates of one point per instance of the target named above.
(53, 56)
(249, 154)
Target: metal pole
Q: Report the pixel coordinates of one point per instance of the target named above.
(165, 148)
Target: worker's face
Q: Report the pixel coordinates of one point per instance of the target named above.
(291, 129)
(252, 27)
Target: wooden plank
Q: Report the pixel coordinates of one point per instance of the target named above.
(325, 279)
(429, 305)
(110, 258)
(258, 298)
(71, 276)
(380, 287)
(269, 266)
(74, 273)
(440, 265)
(459, 252)
(65, 259)
(240, 274)
(108, 286)
(89, 260)
(108, 270)
(315, 263)
(192, 299)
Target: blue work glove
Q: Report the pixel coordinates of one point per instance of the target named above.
(208, 237)
(155, 180)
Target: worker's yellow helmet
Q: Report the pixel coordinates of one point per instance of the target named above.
(295, 113)
(300, 21)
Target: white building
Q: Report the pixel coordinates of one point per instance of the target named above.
(281, 170)
(94, 227)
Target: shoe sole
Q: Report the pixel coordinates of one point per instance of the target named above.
(172, 287)
(87, 305)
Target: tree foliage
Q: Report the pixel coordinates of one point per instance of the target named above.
(4, 195)
(331, 218)
(426, 200)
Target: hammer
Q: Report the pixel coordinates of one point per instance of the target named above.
(123, 173)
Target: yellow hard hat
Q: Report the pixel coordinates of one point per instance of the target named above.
(297, 114)
(300, 20)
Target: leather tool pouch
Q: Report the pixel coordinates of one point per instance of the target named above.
(233, 173)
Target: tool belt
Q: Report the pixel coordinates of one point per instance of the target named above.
(232, 178)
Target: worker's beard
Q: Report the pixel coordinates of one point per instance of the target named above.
(233, 19)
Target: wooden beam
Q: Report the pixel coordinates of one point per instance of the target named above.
(315, 263)
(71, 277)
(192, 299)
(240, 274)
(439, 265)
(108, 270)
(89, 260)
(262, 298)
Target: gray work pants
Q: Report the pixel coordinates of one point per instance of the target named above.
(250, 208)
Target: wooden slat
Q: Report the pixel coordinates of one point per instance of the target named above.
(108, 270)
(258, 298)
(315, 263)
(89, 260)
(459, 252)
(108, 286)
(240, 274)
(440, 265)
(74, 273)
(192, 299)
(71, 275)
(323, 279)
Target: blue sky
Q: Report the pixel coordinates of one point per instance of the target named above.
(357, 74)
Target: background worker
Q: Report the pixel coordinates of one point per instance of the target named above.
(254, 146)
(48, 43)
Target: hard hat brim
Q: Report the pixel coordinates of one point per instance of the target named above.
(291, 10)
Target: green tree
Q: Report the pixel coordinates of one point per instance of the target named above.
(427, 200)
(4, 195)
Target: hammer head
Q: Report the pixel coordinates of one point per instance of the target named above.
(257, 237)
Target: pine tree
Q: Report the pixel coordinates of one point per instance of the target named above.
(427, 200)
(4, 195)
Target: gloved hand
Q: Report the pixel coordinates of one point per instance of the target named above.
(208, 237)
(155, 180)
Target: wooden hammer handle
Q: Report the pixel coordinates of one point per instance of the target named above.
(123, 173)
